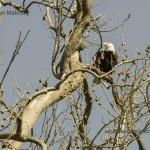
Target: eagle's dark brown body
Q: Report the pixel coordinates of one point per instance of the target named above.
(105, 60)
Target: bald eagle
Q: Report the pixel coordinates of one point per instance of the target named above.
(106, 58)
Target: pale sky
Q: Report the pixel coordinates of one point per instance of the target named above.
(33, 62)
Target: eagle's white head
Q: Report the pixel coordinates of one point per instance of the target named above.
(107, 46)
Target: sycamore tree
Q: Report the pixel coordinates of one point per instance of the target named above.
(124, 104)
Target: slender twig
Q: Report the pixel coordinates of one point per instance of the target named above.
(15, 53)
(101, 129)
(23, 3)
(122, 23)
(100, 36)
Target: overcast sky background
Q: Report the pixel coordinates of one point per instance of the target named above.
(33, 61)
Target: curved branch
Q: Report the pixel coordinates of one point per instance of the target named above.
(122, 23)
(136, 135)
(35, 107)
(24, 139)
(87, 111)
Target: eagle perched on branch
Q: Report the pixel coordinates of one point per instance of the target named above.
(106, 58)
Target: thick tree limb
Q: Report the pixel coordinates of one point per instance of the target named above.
(87, 111)
(70, 61)
(24, 139)
(32, 111)
(74, 41)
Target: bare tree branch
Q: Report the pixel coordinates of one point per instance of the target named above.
(15, 53)
(24, 139)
